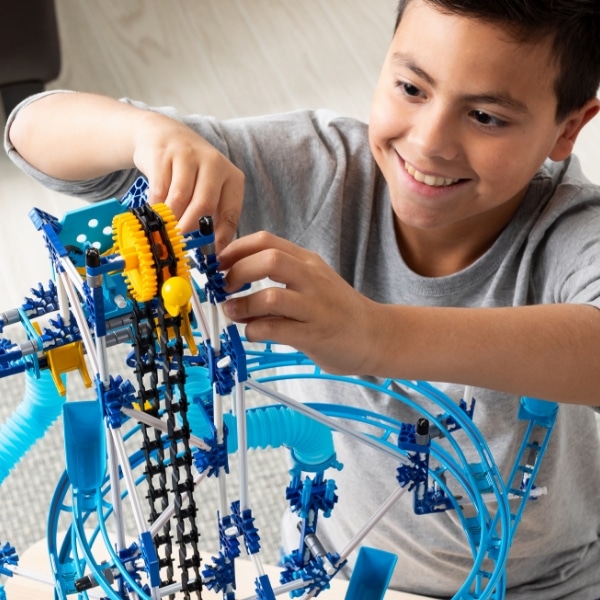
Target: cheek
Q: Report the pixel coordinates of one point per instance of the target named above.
(514, 162)
(384, 119)
(377, 142)
(504, 165)
(375, 131)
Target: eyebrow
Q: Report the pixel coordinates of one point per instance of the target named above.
(499, 99)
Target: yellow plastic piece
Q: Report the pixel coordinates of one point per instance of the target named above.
(176, 293)
(136, 249)
(64, 359)
(186, 331)
(148, 406)
(133, 246)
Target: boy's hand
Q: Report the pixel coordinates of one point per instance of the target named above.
(90, 135)
(189, 175)
(316, 312)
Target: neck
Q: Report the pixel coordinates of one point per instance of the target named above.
(431, 257)
(449, 249)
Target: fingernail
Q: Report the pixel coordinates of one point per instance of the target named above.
(229, 308)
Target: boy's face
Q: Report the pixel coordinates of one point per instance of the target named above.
(462, 118)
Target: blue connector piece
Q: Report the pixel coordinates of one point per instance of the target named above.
(215, 461)
(232, 346)
(317, 494)
(41, 302)
(312, 565)
(244, 521)
(150, 558)
(263, 588)
(415, 440)
(120, 394)
(220, 575)
(228, 537)
(137, 194)
(8, 557)
(50, 228)
(450, 422)
(208, 263)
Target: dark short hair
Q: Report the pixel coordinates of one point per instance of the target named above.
(573, 25)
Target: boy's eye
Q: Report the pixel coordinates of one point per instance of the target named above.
(408, 88)
(484, 118)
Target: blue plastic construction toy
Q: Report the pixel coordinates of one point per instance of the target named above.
(124, 274)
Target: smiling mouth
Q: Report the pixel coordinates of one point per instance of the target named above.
(431, 180)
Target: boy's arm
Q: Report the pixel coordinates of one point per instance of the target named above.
(546, 351)
(77, 136)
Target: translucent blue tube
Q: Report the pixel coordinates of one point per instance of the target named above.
(311, 443)
(40, 407)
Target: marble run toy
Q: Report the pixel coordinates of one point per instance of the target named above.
(123, 274)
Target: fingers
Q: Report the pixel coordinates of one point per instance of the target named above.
(181, 188)
(285, 331)
(191, 176)
(257, 242)
(218, 192)
(262, 255)
(270, 302)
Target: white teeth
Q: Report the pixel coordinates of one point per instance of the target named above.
(432, 180)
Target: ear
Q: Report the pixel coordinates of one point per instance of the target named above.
(571, 127)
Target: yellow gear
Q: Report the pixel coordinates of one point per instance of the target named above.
(134, 247)
(132, 243)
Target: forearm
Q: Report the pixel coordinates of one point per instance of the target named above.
(549, 352)
(76, 136)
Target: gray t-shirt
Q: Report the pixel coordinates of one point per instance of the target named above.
(310, 178)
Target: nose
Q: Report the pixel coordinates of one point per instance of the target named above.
(435, 132)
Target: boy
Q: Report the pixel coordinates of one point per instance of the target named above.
(448, 252)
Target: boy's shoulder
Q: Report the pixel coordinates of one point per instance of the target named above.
(566, 202)
(565, 180)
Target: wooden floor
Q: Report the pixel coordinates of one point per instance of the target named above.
(222, 57)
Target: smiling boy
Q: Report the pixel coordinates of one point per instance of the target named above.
(459, 132)
(437, 244)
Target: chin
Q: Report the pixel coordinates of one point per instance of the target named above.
(422, 220)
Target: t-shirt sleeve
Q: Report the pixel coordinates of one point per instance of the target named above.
(570, 268)
(297, 166)
(101, 188)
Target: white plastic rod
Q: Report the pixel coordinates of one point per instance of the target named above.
(325, 420)
(370, 524)
(138, 514)
(115, 491)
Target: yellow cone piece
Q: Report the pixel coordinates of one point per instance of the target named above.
(176, 293)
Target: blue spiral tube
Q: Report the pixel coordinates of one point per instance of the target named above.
(310, 442)
(39, 409)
